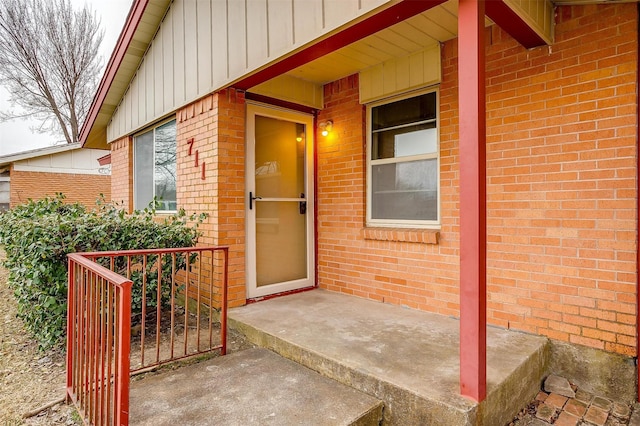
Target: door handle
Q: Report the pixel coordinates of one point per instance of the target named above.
(252, 199)
(303, 205)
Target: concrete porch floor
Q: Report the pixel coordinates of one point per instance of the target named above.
(406, 358)
(387, 363)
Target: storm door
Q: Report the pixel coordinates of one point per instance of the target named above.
(280, 237)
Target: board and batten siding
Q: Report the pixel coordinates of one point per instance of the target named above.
(203, 45)
(77, 161)
(400, 75)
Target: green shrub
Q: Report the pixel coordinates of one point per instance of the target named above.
(38, 235)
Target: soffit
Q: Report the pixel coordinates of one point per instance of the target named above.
(434, 26)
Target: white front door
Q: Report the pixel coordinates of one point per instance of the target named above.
(280, 246)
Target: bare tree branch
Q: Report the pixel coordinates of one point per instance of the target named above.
(49, 62)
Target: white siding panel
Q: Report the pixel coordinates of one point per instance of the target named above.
(191, 49)
(308, 18)
(204, 45)
(398, 75)
(280, 26)
(389, 76)
(168, 82)
(132, 107)
(432, 66)
(78, 161)
(117, 124)
(537, 14)
(177, 10)
(219, 57)
(257, 33)
(148, 87)
(139, 116)
(337, 12)
(371, 4)
(236, 38)
(403, 72)
(416, 69)
(122, 117)
(158, 75)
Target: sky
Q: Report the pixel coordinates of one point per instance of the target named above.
(16, 135)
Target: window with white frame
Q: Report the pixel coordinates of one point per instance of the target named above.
(154, 167)
(403, 162)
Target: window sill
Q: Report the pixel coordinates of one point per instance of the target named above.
(408, 235)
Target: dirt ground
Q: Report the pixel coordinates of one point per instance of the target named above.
(29, 379)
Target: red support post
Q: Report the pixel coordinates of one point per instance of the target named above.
(638, 234)
(473, 238)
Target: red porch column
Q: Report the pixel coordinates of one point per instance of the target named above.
(473, 240)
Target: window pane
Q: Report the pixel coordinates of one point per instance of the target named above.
(165, 170)
(402, 112)
(143, 170)
(405, 141)
(405, 191)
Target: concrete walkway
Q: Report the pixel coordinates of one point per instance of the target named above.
(406, 358)
(251, 387)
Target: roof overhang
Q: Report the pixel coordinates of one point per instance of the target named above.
(40, 152)
(139, 29)
(528, 21)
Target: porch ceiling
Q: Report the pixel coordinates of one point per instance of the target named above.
(434, 26)
(429, 28)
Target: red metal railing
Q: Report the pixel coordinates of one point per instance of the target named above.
(98, 327)
(132, 311)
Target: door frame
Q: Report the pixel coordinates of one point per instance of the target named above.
(279, 113)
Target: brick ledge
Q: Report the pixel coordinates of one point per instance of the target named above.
(409, 235)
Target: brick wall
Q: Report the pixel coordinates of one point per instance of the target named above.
(561, 162)
(81, 188)
(122, 172)
(561, 189)
(372, 263)
(216, 123)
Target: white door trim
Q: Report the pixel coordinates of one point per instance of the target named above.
(253, 110)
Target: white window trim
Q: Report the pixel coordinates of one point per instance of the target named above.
(398, 223)
(147, 129)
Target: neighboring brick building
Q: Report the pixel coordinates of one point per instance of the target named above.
(379, 209)
(66, 169)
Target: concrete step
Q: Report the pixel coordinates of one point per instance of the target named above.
(250, 387)
(406, 358)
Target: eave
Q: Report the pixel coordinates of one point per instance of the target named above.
(146, 16)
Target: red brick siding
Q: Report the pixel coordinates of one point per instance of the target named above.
(217, 124)
(422, 276)
(122, 172)
(561, 193)
(81, 188)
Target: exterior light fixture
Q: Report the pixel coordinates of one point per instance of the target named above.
(325, 127)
